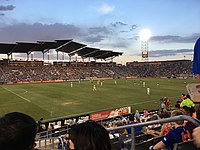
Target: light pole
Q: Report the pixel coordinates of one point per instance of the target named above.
(145, 35)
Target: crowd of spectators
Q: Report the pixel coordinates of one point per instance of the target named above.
(162, 69)
(163, 132)
(59, 72)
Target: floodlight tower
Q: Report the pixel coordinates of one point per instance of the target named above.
(145, 35)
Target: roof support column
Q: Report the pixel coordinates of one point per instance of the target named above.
(32, 56)
(70, 60)
(27, 57)
(48, 54)
(43, 55)
(57, 55)
(63, 56)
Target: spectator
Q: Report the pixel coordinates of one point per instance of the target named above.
(137, 114)
(132, 120)
(167, 103)
(189, 126)
(17, 132)
(145, 111)
(89, 136)
(196, 136)
(165, 128)
(197, 110)
(177, 105)
(40, 127)
(174, 135)
(183, 96)
(187, 102)
(60, 143)
(163, 107)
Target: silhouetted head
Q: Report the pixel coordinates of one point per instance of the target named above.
(89, 136)
(17, 132)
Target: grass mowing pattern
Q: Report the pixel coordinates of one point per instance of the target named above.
(52, 100)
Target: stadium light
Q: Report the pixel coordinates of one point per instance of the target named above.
(145, 35)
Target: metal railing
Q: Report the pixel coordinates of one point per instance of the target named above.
(171, 119)
(132, 126)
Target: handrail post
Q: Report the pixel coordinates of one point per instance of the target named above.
(53, 144)
(133, 138)
(45, 143)
(39, 143)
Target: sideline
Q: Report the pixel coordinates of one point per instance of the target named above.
(99, 110)
(16, 94)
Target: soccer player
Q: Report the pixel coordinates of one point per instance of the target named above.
(115, 82)
(148, 91)
(144, 84)
(94, 87)
(71, 85)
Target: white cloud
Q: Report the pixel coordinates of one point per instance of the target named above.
(105, 9)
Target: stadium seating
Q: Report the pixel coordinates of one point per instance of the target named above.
(188, 145)
(18, 73)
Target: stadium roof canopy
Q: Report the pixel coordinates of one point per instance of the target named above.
(22, 47)
(104, 54)
(66, 46)
(85, 51)
(6, 48)
(107, 54)
(97, 54)
(71, 47)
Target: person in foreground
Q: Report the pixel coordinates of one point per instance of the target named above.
(196, 136)
(17, 132)
(174, 135)
(89, 136)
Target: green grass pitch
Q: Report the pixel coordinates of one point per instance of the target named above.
(53, 100)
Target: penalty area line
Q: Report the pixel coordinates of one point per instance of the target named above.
(16, 94)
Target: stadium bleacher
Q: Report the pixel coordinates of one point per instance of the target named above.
(20, 71)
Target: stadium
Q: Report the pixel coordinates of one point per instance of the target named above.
(62, 93)
(99, 75)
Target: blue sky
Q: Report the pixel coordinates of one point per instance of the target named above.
(106, 24)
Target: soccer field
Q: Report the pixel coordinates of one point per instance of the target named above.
(52, 100)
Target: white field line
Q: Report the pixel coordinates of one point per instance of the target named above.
(143, 102)
(16, 94)
(122, 106)
(105, 109)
